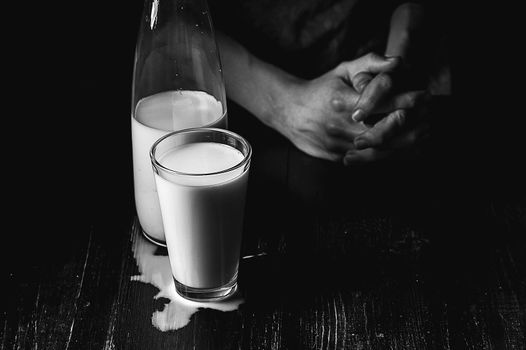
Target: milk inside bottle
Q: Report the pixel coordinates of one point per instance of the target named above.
(155, 116)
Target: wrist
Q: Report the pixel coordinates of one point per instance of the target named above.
(278, 94)
(264, 90)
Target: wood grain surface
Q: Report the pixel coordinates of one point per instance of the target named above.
(349, 262)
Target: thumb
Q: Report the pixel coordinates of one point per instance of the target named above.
(370, 63)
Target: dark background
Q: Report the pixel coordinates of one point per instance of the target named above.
(67, 143)
(69, 154)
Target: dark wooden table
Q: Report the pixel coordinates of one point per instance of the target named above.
(402, 255)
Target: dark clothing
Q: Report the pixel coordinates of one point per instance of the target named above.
(306, 38)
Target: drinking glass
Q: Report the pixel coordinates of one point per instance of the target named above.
(201, 176)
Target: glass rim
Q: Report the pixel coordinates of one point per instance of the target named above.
(246, 158)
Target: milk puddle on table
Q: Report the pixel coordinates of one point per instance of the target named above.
(155, 270)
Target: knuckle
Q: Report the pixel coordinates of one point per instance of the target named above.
(396, 119)
(416, 99)
(411, 100)
(365, 104)
(342, 66)
(332, 128)
(384, 81)
(372, 57)
(337, 104)
(374, 138)
(400, 117)
(346, 67)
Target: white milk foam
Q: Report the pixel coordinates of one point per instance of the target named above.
(155, 270)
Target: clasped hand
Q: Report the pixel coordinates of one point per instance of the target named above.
(355, 113)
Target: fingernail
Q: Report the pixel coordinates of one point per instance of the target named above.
(361, 143)
(358, 115)
(392, 58)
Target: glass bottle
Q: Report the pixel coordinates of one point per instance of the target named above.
(177, 84)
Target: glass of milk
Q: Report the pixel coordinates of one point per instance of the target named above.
(201, 177)
(177, 84)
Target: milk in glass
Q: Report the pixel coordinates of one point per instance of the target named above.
(203, 214)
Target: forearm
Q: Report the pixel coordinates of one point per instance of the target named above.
(255, 85)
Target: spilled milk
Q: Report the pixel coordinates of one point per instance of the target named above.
(155, 270)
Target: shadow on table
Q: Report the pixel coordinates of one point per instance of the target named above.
(330, 229)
